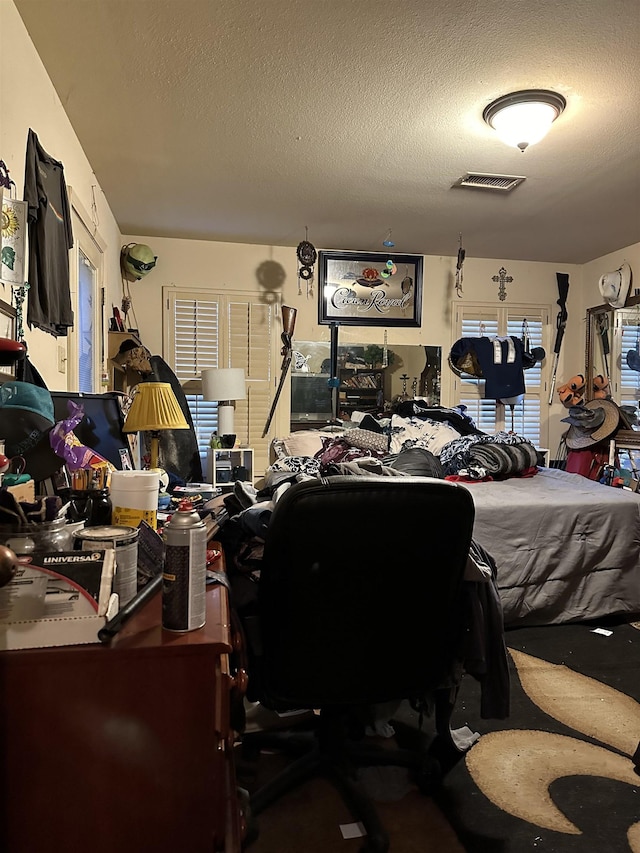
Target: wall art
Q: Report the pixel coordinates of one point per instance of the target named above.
(13, 241)
(369, 289)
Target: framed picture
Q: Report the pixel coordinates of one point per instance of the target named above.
(369, 289)
(13, 242)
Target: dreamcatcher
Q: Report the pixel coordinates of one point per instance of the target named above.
(459, 263)
(307, 257)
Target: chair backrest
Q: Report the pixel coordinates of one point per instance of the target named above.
(360, 589)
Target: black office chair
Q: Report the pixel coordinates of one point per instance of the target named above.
(359, 604)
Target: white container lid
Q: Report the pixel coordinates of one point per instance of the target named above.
(129, 481)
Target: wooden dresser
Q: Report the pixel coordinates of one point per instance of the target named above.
(124, 747)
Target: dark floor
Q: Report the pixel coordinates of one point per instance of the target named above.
(308, 819)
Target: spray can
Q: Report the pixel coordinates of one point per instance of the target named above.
(184, 577)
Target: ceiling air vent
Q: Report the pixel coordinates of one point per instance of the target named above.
(497, 183)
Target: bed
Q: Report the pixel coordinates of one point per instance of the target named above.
(567, 548)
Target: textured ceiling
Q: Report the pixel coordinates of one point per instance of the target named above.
(244, 121)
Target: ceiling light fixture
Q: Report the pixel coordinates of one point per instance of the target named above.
(524, 118)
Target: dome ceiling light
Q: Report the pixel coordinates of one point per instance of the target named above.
(524, 118)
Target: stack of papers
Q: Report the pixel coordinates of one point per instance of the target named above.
(58, 599)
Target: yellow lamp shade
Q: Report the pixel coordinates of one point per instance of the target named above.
(154, 407)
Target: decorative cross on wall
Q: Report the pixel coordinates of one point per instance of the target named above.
(504, 279)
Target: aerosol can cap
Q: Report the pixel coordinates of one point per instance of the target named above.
(184, 516)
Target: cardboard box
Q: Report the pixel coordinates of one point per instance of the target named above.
(24, 492)
(58, 599)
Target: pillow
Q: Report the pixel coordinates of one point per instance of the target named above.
(278, 448)
(365, 439)
(306, 442)
(297, 465)
(420, 432)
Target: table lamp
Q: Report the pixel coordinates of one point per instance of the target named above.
(154, 408)
(224, 385)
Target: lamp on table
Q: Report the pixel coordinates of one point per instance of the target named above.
(154, 408)
(224, 385)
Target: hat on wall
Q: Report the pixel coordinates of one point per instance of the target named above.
(463, 359)
(633, 359)
(582, 416)
(614, 286)
(530, 359)
(137, 260)
(579, 437)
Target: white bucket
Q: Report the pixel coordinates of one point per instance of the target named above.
(134, 497)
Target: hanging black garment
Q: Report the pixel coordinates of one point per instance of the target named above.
(50, 238)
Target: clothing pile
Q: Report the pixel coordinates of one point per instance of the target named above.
(480, 457)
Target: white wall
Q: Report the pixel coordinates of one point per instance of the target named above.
(229, 266)
(28, 100)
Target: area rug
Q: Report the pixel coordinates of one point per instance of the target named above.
(559, 774)
(556, 777)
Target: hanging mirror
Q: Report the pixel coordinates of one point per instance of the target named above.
(613, 350)
(371, 377)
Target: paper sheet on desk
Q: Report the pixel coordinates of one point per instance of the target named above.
(64, 601)
(24, 596)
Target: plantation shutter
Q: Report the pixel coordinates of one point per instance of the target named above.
(204, 330)
(249, 335)
(527, 414)
(196, 347)
(491, 416)
(476, 324)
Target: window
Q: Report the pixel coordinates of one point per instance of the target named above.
(628, 323)
(85, 270)
(204, 329)
(85, 319)
(490, 416)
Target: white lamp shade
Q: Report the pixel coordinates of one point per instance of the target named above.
(225, 383)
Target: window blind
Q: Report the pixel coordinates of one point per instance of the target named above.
(490, 416)
(204, 329)
(196, 348)
(629, 391)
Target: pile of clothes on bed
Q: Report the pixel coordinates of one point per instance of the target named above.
(452, 447)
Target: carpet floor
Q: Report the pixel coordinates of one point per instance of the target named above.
(556, 777)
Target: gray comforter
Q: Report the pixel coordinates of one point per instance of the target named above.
(566, 548)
